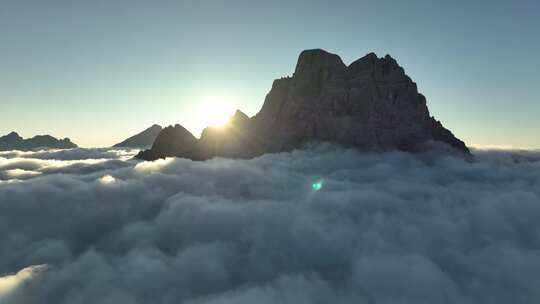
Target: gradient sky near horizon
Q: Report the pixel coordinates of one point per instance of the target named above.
(100, 71)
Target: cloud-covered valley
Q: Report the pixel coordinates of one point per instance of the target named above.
(95, 226)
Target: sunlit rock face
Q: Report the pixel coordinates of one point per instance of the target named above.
(233, 140)
(370, 104)
(14, 141)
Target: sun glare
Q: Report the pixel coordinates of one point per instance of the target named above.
(216, 112)
(107, 179)
(9, 283)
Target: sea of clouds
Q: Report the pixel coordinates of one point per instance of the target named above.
(96, 226)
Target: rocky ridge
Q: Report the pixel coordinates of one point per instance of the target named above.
(369, 104)
(143, 139)
(14, 141)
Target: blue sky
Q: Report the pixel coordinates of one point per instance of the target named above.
(99, 71)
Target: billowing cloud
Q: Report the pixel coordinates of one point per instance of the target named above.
(73, 154)
(26, 164)
(9, 284)
(383, 228)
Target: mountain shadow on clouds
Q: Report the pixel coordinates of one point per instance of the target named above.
(370, 104)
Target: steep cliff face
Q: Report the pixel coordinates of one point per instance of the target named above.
(369, 104)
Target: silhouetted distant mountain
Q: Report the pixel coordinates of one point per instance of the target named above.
(171, 141)
(13, 141)
(370, 104)
(142, 140)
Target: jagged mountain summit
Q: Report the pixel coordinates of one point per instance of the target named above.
(370, 104)
(14, 141)
(171, 141)
(143, 139)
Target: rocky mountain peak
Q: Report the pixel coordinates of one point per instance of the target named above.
(317, 69)
(171, 141)
(13, 135)
(143, 139)
(239, 118)
(370, 104)
(380, 69)
(310, 61)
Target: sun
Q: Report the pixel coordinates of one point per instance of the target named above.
(216, 112)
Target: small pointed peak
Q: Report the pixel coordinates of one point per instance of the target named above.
(176, 129)
(155, 126)
(388, 57)
(181, 128)
(370, 56)
(239, 118)
(13, 135)
(364, 63)
(240, 114)
(172, 127)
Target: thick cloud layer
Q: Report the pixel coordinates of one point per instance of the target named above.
(20, 165)
(384, 228)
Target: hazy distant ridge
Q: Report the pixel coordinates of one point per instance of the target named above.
(14, 141)
(143, 139)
